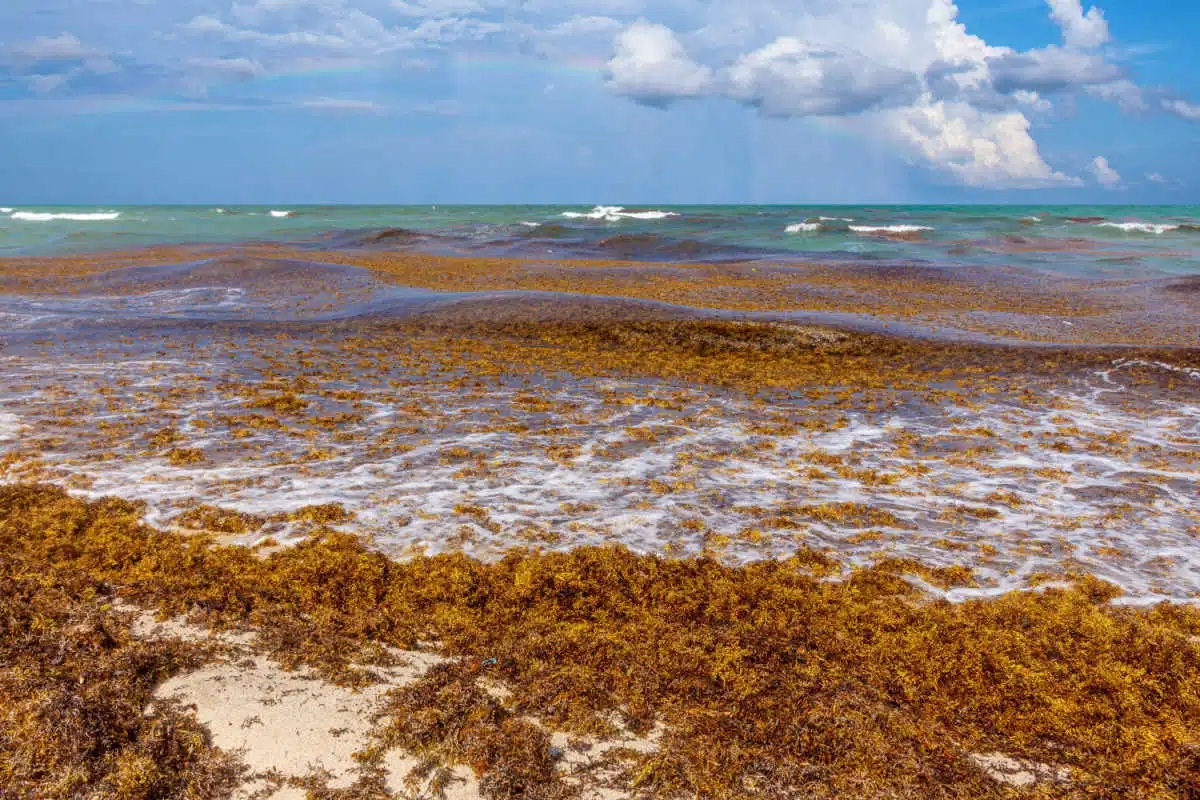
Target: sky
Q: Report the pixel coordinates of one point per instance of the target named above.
(599, 101)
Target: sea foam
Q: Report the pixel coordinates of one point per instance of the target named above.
(37, 216)
(281, 214)
(804, 227)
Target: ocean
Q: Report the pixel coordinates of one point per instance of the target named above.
(1085, 241)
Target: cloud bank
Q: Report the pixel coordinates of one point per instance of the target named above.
(904, 73)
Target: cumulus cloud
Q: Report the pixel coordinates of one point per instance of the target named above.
(909, 73)
(788, 77)
(1104, 174)
(1050, 69)
(1079, 29)
(979, 148)
(651, 65)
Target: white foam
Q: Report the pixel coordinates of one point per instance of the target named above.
(1031, 219)
(10, 425)
(890, 228)
(1139, 227)
(281, 214)
(618, 213)
(706, 452)
(836, 219)
(36, 216)
(804, 227)
(1191, 372)
(532, 224)
(6, 210)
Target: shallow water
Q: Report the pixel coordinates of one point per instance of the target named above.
(1096, 471)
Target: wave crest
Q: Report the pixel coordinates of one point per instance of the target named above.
(617, 213)
(1139, 227)
(890, 230)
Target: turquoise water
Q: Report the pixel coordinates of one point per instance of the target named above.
(1097, 241)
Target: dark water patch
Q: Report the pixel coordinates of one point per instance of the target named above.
(380, 238)
(551, 230)
(1188, 286)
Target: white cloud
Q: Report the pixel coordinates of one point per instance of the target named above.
(48, 83)
(438, 8)
(64, 47)
(1049, 69)
(1182, 108)
(1125, 93)
(242, 69)
(338, 104)
(1087, 31)
(979, 148)
(908, 73)
(1104, 174)
(789, 77)
(651, 65)
(1155, 177)
(203, 25)
(48, 63)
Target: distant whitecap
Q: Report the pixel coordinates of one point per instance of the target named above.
(281, 214)
(37, 216)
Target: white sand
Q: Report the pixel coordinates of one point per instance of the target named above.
(293, 725)
(1018, 773)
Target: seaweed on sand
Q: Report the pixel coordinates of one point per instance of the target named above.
(769, 680)
(76, 717)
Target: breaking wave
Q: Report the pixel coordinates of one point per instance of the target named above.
(1139, 227)
(890, 230)
(617, 213)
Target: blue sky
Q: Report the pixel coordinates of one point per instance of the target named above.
(598, 101)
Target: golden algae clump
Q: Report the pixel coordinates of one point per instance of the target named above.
(76, 712)
(768, 679)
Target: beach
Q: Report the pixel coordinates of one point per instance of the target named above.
(624, 508)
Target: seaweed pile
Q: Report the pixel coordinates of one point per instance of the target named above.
(770, 680)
